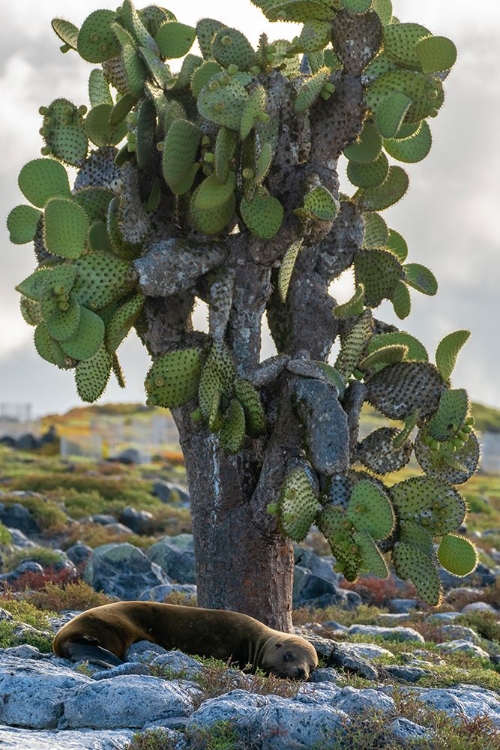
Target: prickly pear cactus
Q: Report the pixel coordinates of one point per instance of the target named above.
(219, 182)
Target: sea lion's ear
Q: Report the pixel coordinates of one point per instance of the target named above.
(278, 645)
(288, 656)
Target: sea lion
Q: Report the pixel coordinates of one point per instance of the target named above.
(102, 635)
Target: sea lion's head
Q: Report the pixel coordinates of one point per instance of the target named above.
(289, 657)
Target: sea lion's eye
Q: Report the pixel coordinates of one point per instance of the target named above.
(288, 656)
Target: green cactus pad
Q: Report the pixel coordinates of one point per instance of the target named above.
(385, 355)
(397, 245)
(145, 144)
(391, 112)
(400, 40)
(421, 278)
(298, 505)
(286, 268)
(122, 321)
(92, 375)
(22, 223)
(159, 71)
(457, 554)
(99, 92)
(401, 300)
(88, 338)
(61, 278)
(136, 71)
(389, 192)
(65, 228)
(66, 31)
(63, 324)
(153, 17)
(379, 272)
(368, 175)
(175, 39)
(370, 509)
(114, 72)
(34, 286)
(319, 203)
(314, 37)
(447, 352)
(206, 30)
(416, 350)
(262, 215)
(50, 349)
(353, 343)
(400, 389)
(383, 8)
(102, 280)
(371, 559)
(94, 201)
(425, 91)
(182, 81)
(225, 146)
(433, 504)
(212, 194)
(338, 492)
(379, 454)
(179, 154)
(335, 525)
(43, 179)
(436, 53)
(125, 37)
(210, 221)
(450, 416)
(135, 25)
(223, 101)
(367, 147)
(311, 89)
(376, 232)
(202, 76)
(264, 162)
(99, 129)
(253, 111)
(174, 377)
(121, 109)
(412, 149)
(64, 132)
(96, 40)
(31, 311)
(413, 564)
(218, 375)
(354, 306)
(415, 534)
(232, 432)
(249, 398)
(448, 463)
(380, 65)
(357, 6)
(231, 47)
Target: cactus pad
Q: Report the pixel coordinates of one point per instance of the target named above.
(353, 343)
(425, 91)
(397, 245)
(48, 348)
(217, 377)
(174, 377)
(354, 306)
(225, 146)
(447, 352)
(99, 92)
(368, 175)
(450, 415)
(43, 179)
(262, 215)
(436, 53)
(298, 505)
(175, 39)
(102, 279)
(391, 112)
(22, 223)
(378, 271)
(420, 278)
(99, 129)
(202, 76)
(64, 133)
(371, 559)
(65, 228)
(92, 375)
(231, 47)
(400, 389)
(179, 153)
(319, 203)
(206, 30)
(416, 350)
(31, 312)
(378, 453)
(135, 25)
(253, 111)
(88, 338)
(412, 149)
(370, 509)
(300, 11)
(411, 563)
(448, 463)
(389, 192)
(249, 398)
(415, 534)
(63, 323)
(457, 555)
(433, 504)
(223, 100)
(400, 40)
(232, 431)
(122, 321)
(401, 300)
(212, 194)
(212, 221)
(96, 40)
(357, 6)
(66, 31)
(385, 355)
(367, 147)
(286, 268)
(311, 89)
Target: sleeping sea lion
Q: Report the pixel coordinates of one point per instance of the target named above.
(102, 635)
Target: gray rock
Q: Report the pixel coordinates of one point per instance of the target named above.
(178, 665)
(27, 442)
(462, 700)
(238, 707)
(20, 540)
(442, 617)
(140, 521)
(458, 632)
(122, 570)
(34, 692)
(160, 593)
(346, 656)
(121, 669)
(393, 634)
(408, 674)
(407, 732)
(324, 674)
(103, 519)
(354, 701)
(320, 566)
(178, 563)
(79, 553)
(290, 725)
(480, 607)
(401, 606)
(462, 645)
(163, 491)
(65, 740)
(24, 651)
(16, 516)
(125, 701)
(128, 456)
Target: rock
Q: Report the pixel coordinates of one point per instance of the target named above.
(406, 732)
(289, 725)
(453, 632)
(27, 442)
(21, 540)
(24, 651)
(128, 457)
(121, 669)
(140, 521)
(175, 560)
(463, 645)
(161, 592)
(479, 607)
(16, 516)
(401, 606)
(354, 701)
(345, 655)
(122, 570)
(79, 553)
(311, 590)
(320, 566)
(8, 441)
(123, 702)
(103, 519)
(177, 665)
(394, 634)
(66, 740)
(170, 492)
(408, 674)
(462, 700)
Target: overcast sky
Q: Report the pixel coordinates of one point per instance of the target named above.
(450, 216)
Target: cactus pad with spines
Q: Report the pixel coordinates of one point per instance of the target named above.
(354, 306)
(212, 194)
(63, 323)
(231, 47)
(206, 30)
(397, 245)
(425, 91)
(314, 37)
(253, 111)
(378, 453)
(371, 559)
(311, 89)
(232, 431)
(353, 343)
(217, 376)
(48, 348)
(92, 375)
(385, 355)
(175, 39)
(412, 149)
(447, 352)
(357, 6)
(400, 40)
(286, 268)
(99, 129)
(212, 220)
(369, 509)
(421, 278)
(135, 25)
(436, 53)
(66, 31)
(102, 279)
(367, 146)
(416, 350)
(376, 231)
(99, 92)
(63, 131)
(449, 463)
(298, 505)
(433, 504)
(22, 223)
(413, 564)
(319, 203)
(43, 179)
(179, 155)
(88, 338)
(262, 215)
(222, 100)
(390, 113)
(31, 312)
(174, 377)
(413, 533)
(248, 396)
(450, 415)
(370, 174)
(400, 389)
(122, 321)
(96, 40)
(225, 147)
(401, 300)
(202, 76)
(378, 271)
(389, 192)
(457, 555)
(65, 228)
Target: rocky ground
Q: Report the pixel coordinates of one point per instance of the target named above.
(394, 675)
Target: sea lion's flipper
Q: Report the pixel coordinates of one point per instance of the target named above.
(87, 649)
